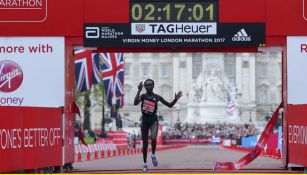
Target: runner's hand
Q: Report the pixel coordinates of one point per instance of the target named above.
(177, 96)
(140, 85)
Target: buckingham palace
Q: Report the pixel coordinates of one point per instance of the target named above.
(209, 82)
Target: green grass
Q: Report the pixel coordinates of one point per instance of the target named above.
(89, 140)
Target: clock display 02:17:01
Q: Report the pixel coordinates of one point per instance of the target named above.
(194, 11)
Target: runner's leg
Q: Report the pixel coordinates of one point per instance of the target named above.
(154, 134)
(145, 131)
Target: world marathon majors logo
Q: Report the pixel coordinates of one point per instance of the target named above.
(11, 76)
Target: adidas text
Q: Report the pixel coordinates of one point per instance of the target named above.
(241, 38)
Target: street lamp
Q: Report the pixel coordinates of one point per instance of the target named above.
(250, 116)
(178, 119)
(238, 94)
(237, 97)
(178, 110)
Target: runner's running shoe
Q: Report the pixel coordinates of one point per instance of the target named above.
(154, 161)
(144, 170)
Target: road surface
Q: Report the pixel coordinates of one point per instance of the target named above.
(190, 159)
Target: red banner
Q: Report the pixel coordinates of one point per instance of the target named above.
(159, 137)
(120, 138)
(297, 134)
(69, 145)
(256, 152)
(187, 141)
(30, 138)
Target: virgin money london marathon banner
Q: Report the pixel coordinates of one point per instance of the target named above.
(174, 35)
(32, 71)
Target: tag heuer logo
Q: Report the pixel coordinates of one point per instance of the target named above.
(241, 36)
(140, 28)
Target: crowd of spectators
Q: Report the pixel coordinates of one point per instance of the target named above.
(209, 130)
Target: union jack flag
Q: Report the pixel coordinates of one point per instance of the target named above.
(113, 78)
(86, 69)
(230, 108)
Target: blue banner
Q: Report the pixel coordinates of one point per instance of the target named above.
(249, 142)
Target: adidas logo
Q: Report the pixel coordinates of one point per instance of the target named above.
(241, 36)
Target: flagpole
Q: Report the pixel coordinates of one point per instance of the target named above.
(103, 130)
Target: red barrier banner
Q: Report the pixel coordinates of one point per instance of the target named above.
(69, 145)
(248, 158)
(30, 138)
(159, 137)
(187, 141)
(297, 134)
(120, 138)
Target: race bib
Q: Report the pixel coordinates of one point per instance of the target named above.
(149, 106)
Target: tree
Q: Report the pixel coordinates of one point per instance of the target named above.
(97, 94)
(84, 101)
(99, 97)
(86, 111)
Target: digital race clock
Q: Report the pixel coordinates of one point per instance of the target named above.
(173, 11)
(174, 24)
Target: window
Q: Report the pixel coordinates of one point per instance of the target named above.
(165, 70)
(197, 65)
(165, 92)
(145, 71)
(263, 69)
(127, 97)
(278, 95)
(263, 95)
(127, 69)
(245, 64)
(182, 64)
(230, 67)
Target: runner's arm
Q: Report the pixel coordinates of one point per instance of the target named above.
(137, 98)
(171, 104)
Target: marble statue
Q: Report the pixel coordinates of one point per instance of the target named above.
(209, 97)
